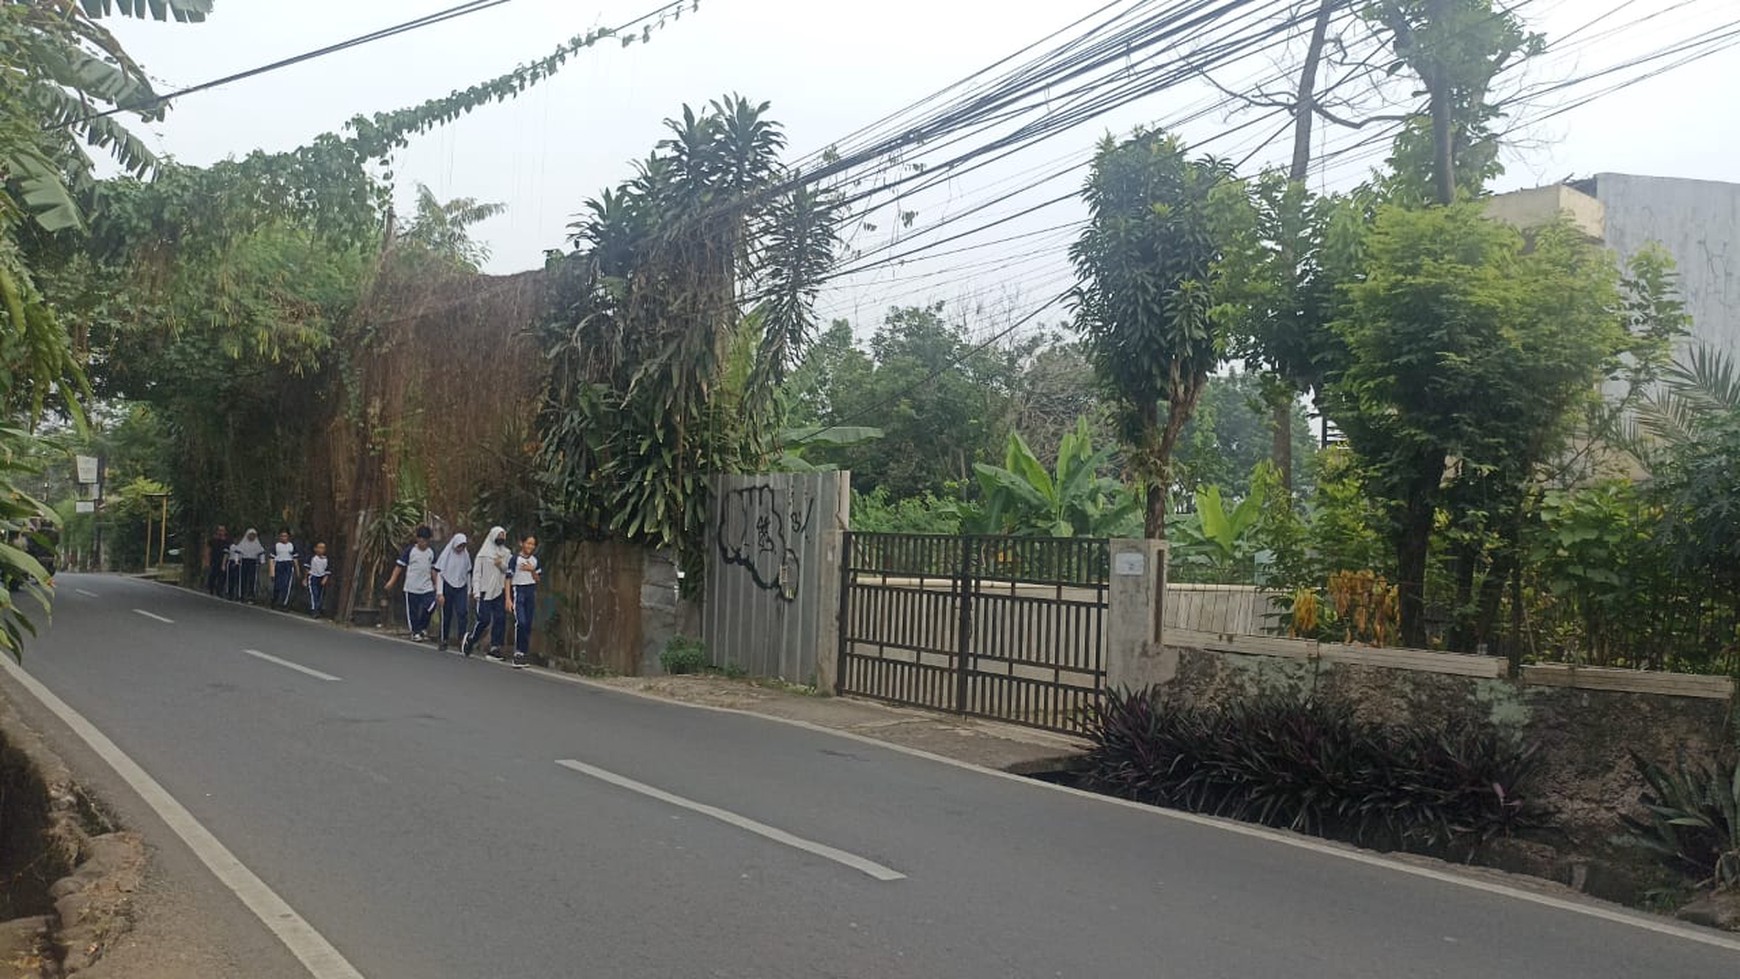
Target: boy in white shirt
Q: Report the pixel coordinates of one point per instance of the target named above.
(319, 576)
(283, 570)
(417, 565)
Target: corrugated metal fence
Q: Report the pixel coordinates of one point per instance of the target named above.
(773, 573)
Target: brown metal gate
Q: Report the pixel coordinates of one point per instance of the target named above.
(1007, 628)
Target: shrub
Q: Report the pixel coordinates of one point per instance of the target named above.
(683, 655)
(1312, 766)
(1694, 816)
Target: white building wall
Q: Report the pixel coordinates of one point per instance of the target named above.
(1696, 221)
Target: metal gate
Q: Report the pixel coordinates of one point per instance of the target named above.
(1007, 628)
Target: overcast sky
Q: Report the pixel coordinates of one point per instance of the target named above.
(829, 68)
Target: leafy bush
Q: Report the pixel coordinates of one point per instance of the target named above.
(683, 655)
(874, 512)
(1694, 816)
(1312, 766)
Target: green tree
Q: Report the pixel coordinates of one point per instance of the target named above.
(441, 231)
(1456, 48)
(1469, 353)
(662, 378)
(1231, 434)
(1146, 305)
(941, 403)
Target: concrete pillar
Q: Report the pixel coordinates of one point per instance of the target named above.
(1136, 656)
(829, 578)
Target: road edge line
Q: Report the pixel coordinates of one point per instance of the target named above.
(317, 955)
(1615, 914)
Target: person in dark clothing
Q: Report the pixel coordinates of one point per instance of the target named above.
(217, 559)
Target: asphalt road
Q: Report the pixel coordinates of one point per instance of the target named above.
(413, 811)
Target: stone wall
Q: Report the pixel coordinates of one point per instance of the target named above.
(610, 606)
(1585, 739)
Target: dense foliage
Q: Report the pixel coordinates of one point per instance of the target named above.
(1693, 816)
(661, 378)
(1313, 766)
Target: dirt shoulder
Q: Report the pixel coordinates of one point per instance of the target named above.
(136, 902)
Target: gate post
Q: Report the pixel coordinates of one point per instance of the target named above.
(964, 637)
(1136, 656)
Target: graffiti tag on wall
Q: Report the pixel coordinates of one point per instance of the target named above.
(765, 534)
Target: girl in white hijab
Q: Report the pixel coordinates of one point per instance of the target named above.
(248, 554)
(453, 573)
(489, 588)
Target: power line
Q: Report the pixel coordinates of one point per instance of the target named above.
(159, 101)
(156, 103)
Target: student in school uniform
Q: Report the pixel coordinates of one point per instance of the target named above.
(523, 600)
(319, 577)
(417, 566)
(248, 555)
(489, 588)
(453, 569)
(233, 570)
(283, 565)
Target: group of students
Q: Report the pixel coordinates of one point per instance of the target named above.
(233, 569)
(501, 580)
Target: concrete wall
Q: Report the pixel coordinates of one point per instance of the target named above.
(773, 574)
(1537, 206)
(1698, 222)
(1585, 737)
(611, 606)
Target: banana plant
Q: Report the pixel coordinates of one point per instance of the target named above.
(1074, 500)
(1217, 539)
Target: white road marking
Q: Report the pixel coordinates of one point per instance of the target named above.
(868, 867)
(1587, 908)
(316, 954)
(298, 667)
(87, 594)
(154, 615)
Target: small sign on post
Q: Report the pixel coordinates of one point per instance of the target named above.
(87, 467)
(85, 506)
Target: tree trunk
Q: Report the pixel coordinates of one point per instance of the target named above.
(1159, 474)
(1154, 527)
(1442, 135)
(1414, 545)
(1305, 106)
(1462, 631)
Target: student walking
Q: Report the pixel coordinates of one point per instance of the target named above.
(489, 587)
(453, 568)
(417, 566)
(217, 561)
(283, 566)
(523, 601)
(319, 576)
(248, 554)
(233, 571)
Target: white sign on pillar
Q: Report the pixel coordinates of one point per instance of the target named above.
(87, 467)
